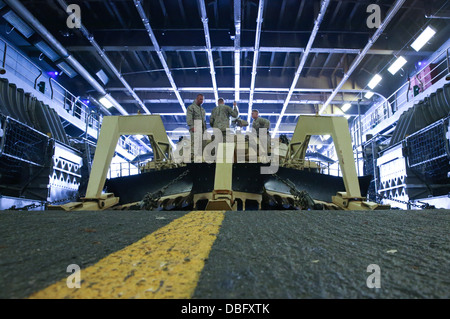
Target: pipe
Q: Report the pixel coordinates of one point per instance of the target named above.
(208, 47)
(363, 53)
(317, 23)
(105, 58)
(259, 21)
(26, 15)
(146, 22)
(237, 48)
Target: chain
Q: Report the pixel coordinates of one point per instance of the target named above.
(301, 198)
(32, 206)
(150, 201)
(422, 206)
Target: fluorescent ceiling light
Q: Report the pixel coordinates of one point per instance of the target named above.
(426, 35)
(368, 95)
(375, 80)
(345, 107)
(106, 102)
(397, 65)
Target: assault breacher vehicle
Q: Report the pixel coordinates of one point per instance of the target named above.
(237, 180)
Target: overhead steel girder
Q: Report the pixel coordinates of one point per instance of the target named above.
(237, 48)
(397, 6)
(248, 49)
(140, 9)
(208, 47)
(323, 9)
(28, 17)
(259, 21)
(265, 101)
(106, 59)
(229, 89)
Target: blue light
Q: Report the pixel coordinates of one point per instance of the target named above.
(53, 74)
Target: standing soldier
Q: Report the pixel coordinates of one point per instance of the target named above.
(220, 116)
(194, 114)
(258, 123)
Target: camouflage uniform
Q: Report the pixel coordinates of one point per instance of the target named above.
(196, 112)
(262, 123)
(220, 117)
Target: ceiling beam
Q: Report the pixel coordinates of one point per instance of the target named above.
(237, 48)
(231, 89)
(259, 21)
(323, 9)
(140, 9)
(208, 46)
(29, 18)
(107, 60)
(395, 8)
(326, 63)
(262, 101)
(82, 48)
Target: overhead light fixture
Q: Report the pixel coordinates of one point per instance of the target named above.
(426, 35)
(53, 74)
(397, 65)
(368, 95)
(106, 102)
(45, 49)
(18, 23)
(345, 107)
(67, 69)
(374, 82)
(102, 76)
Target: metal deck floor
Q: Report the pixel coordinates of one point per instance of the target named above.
(225, 255)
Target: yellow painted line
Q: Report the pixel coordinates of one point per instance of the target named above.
(164, 264)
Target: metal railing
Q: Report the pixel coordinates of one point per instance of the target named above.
(73, 105)
(434, 71)
(18, 64)
(125, 169)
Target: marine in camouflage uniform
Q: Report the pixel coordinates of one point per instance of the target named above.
(195, 112)
(220, 116)
(258, 123)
